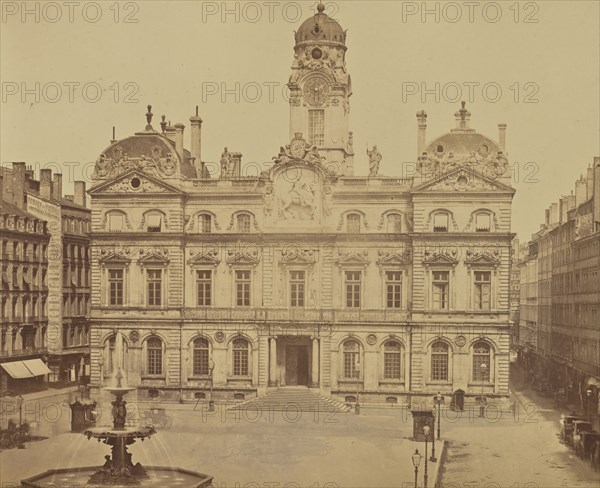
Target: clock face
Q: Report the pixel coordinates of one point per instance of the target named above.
(316, 91)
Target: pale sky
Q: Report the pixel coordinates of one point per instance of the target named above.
(174, 53)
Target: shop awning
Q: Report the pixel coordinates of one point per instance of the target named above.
(25, 369)
(17, 370)
(593, 381)
(36, 366)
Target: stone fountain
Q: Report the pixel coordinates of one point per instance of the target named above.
(118, 469)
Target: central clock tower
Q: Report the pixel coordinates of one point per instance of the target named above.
(320, 90)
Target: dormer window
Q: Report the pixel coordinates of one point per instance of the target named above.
(353, 223)
(243, 223)
(153, 222)
(116, 222)
(440, 222)
(482, 222)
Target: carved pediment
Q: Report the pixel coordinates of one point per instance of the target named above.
(298, 256)
(482, 258)
(134, 182)
(207, 257)
(154, 258)
(393, 258)
(441, 257)
(463, 180)
(353, 258)
(247, 257)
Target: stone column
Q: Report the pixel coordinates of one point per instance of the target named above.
(273, 362)
(314, 377)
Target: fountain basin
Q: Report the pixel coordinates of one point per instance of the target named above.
(158, 477)
(129, 432)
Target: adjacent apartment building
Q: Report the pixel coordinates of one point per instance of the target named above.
(559, 326)
(45, 289)
(304, 273)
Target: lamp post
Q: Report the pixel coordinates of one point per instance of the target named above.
(483, 369)
(357, 373)
(589, 400)
(20, 406)
(438, 399)
(426, 432)
(416, 459)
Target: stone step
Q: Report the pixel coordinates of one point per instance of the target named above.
(292, 399)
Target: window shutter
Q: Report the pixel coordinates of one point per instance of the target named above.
(440, 221)
(482, 222)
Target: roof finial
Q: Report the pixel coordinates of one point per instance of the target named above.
(320, 8)
(196, 110)
(149, 117)
(163, 122)
(463, 110)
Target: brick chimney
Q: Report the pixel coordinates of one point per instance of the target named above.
(57, 186)
(179, 139)
(79, 196)
(580, 191)
(46, 183)
(18, 185)
(502, 137)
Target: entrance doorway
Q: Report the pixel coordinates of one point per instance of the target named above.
(296, 366)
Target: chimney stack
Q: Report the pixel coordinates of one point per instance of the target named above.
(580, 191)
(79, 197)
(237, 164)
(422, 129)
(18, 185)
(196, 144)
(57, 186)
(179, 139)
(502, 137)
(46, 183)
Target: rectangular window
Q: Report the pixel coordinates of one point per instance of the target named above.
(483, 283)
(154, 223)
(243, 223)
(393, 286)
(482, 222)
(353, 283)
(205, 224)
(242, 288)
(440, 222)
(297, 288)
(316, 127)
(204, 287)
(116, 222)
(440, 289)
(115, 286)
(154, 277)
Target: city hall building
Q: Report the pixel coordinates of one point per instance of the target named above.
(306, 275)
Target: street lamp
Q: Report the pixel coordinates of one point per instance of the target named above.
(20, 407)
(416, 459)
(589, 400)
(483, 369)
(426, 432)
(438, 399)
(357, 373)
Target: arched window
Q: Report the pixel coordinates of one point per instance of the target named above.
(392, 359)
(394, 223)
(240, 357)
(154, 221)
(481, 356)
(155, 353)
(112, 356)
(243, 223)
(351, 359)
(200, 357)
(353, 223)
(440, 222)
(439, 361)
(116, 221)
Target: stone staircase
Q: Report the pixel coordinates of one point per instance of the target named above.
(292, 399)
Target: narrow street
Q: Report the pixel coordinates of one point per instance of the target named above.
(516, 451)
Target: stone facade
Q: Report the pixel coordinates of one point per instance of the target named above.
(307, 274)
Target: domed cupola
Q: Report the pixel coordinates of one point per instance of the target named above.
(320, 28)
